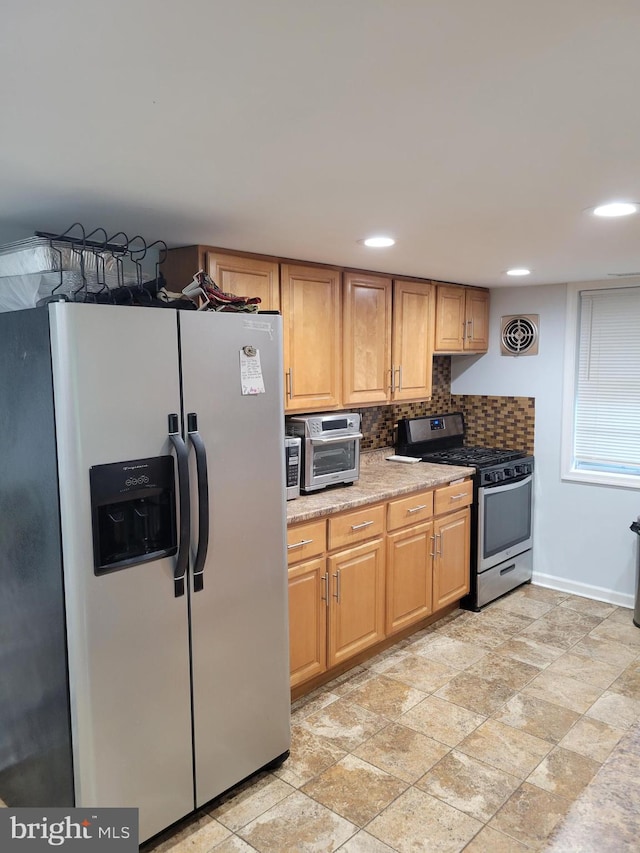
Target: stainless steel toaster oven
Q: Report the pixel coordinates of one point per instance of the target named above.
(330, 449)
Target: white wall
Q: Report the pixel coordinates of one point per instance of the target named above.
(582, 539)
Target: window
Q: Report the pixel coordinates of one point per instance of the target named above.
(601, 428)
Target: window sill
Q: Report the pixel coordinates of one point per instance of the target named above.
(601, 478)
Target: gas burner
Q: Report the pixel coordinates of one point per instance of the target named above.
(476, 456)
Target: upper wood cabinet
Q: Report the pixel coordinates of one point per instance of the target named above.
(310, 300)
(366, 352)
(237, 274)
(388, 339)
(246, 277)
(462, 319)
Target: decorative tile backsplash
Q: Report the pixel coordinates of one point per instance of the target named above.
(502, 422)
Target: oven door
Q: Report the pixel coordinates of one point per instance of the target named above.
(332, 460)
(505, 521)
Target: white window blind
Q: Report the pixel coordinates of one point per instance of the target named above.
(607, 399)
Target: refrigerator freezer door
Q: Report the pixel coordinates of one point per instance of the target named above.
(239, 618)
(116, 378)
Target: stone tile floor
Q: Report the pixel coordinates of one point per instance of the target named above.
(476, 734)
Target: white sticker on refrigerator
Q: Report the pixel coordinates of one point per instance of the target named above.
(251, 379)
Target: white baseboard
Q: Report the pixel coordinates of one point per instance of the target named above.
(585, 590)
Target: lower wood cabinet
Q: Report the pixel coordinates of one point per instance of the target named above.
(358, 577)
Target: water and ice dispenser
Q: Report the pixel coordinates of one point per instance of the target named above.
(133, 511)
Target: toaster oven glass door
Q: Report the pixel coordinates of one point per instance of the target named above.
(335, 457)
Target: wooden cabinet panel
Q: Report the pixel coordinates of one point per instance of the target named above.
(312, 337)
(451, 562)
(356, 607)
(305, 540)
(462, 319)
(353, 527)
(307, 620)
(413, 324)
(409, 576)
(455, 496)
(366, 339)
(411, 510)
(246, 277)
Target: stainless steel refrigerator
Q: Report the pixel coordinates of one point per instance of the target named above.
(143, 605)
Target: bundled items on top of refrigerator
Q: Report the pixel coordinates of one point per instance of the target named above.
(77, 266)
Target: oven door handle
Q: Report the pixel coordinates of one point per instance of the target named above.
(507, 485)
(334, 439)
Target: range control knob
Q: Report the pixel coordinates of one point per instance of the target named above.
(508, 472)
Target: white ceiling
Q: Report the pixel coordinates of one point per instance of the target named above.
(476, 133)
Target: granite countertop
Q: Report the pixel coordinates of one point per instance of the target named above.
(379, 480)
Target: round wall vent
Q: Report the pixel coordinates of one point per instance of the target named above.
(519, 335)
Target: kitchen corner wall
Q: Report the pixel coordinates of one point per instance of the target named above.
(503, 422)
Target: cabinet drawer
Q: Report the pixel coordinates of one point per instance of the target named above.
(453, 497)
(356, 526)
(306, 540)
(409, 510)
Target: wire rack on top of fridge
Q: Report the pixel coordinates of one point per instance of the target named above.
(78, 266)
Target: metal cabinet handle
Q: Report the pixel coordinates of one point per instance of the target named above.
(433, 553)
(417, 508)
(441, 546)
(336, 594)
(392, 373)
(438, 550)
(457, 497)
(289, 375)
(325, 583)
(360, 526)
(400, 378)
(299, 544)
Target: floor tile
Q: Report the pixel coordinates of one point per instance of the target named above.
(442, 720)
(297, 823)
(251, 801)
(560, 635)
(503, 621)
(449, 651)
(627, 634)
(592, 738)
(314, 702)
(542, 593)
(344, 723)
(476, 694)
(530, 815)
(529, 651)
(233, 844)
(616, 710)
(421, 673)
(530, 607)
(628, 683)
(489, 840)
(592, 671)
(588, 606)
(564, 773)
(402, 751)
(198, 835)
(487, 638)
(417, 821)
(469, 785)
(310, 755)
(563, 690)
(362, 842)
(355, 789)
(537, 717)
(608, 651)
(505, 748)
(493, 667)
(386, 696)
(623, 615)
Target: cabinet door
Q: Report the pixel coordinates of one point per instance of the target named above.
(312, 337)
(307, 620)
(413, 324)
(450, 318)
(409, 576)
(366, 339)
(246, 277)
(476, 321)
(356, 608)
(451, 561)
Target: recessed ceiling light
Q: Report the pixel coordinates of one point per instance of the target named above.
(519, 271)
(379, 242)
(616, 208)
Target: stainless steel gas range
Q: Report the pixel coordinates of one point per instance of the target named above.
(502, 510)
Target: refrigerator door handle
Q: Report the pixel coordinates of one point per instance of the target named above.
(203, 500)
(182, 459)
